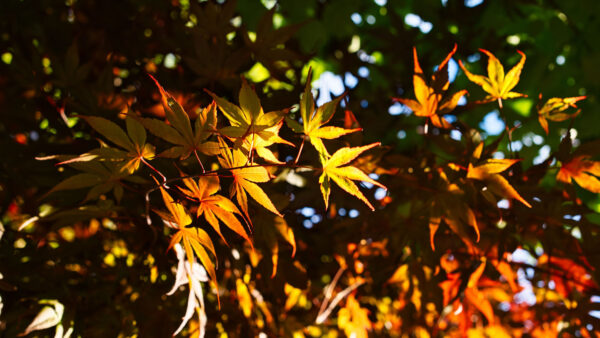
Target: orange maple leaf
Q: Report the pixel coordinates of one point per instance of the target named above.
(214, 207)
(489, 173)
(195, 240)
(429, 101)
(583, 171)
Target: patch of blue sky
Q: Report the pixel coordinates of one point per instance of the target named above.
(455, 135)
(473, 3)
(473, 57)
(350, 80)
(307, 212)
(413, 20)
(492, 124)
(398, 108)
(363, 71)
(380, 194)
(328, 84)
(543, 154)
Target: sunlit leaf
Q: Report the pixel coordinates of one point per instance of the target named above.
(180, 132)
(251, 128)
(554, 110)
(583, 171)
(498, 85)
(313, 121)
(343, 176)
(488, 172)
(430, 102)
(214, 208)
(245, 179)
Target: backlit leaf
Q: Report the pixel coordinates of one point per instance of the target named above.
(314, 120)
(344, 176)
(498, 85)
(583, 171)
(554, 110)
(430, 102)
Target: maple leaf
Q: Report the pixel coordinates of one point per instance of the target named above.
(554, 110)
(353, 319)
(489, 172)
(251, 128)
(314, 120)
(245, 179)
(134, 142)
(266, 45)
(429, 101)
(583, 171)
(575, 276)
(476, 297)
(343, 176)
(102, 177)
(214, 207)
(195, 240)
(451, 208)
(191, 273)
(188, 140)
(497, 84)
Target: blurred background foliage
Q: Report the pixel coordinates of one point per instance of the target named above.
(60, 59)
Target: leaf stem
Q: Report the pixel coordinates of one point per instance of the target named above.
(299, 151)
(164, 178)
(199, 162)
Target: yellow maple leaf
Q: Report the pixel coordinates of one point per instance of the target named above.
(497, 84)
(353, 319)
(179, 131)
(430, 102)
(554, 110)
(245, 179)
(313, 121)
(251, 128)
(343, 176)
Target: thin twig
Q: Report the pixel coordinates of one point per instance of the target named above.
(329, 290)
(323, 316)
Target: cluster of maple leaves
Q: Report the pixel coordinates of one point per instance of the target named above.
(250, 133)
(243, 150)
